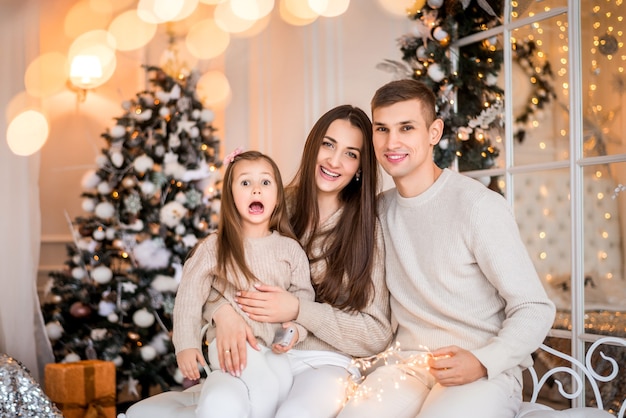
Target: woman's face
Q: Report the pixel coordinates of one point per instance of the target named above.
(339, 157)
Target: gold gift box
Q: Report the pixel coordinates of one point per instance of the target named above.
(82, 389)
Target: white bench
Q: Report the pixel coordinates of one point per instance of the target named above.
(182, 404)
(578, 373)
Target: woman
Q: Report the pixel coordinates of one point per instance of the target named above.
(332, 202)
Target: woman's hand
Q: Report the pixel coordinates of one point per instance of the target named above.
(232, 332)
(269, 304)
(188, 360)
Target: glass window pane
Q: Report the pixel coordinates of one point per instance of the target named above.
(540, 92)
(526, 8)
(604, 226)
(604, 77)
(541, 205)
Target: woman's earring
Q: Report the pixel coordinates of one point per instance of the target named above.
(357, 176)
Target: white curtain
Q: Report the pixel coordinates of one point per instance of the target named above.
(22, 334)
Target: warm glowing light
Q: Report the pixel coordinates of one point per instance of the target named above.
(131, 32)
(46, 75)
(329, 8)
(85, 71)
(214, 89)
(228, 21)
(251, 9)
(27, 133)
(542, 235)
(197, 36)
(543, 255)
(297, 12)
(100, 44)
(82, 18)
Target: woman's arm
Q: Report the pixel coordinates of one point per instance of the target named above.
(358, 334)
(232, 332)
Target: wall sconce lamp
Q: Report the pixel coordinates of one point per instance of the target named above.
(85, 71)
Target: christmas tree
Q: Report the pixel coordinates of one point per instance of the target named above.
(470, 99)
(154, 194)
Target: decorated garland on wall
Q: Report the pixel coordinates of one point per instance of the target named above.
(466, 80)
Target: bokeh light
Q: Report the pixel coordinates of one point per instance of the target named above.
(83, 18)
(206, 40)
(99, 43)
(27, 133)
(46, 75)
(297, 12)
(329, 8)
(251, 9)
(213, 89)
(228, 21)
(131, 32)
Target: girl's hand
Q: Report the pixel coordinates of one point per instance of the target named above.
(453, 366)
(232, 332)
(269, 304)
(188, 360)
(280, 349)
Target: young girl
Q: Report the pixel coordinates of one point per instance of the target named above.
(254, 243)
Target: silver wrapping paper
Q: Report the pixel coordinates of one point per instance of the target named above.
(20, 394)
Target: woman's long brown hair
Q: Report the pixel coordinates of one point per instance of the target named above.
(349, 247)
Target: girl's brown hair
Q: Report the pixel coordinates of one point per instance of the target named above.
(349, 248)
(230, 248)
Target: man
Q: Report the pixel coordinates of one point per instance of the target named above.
(462, 285)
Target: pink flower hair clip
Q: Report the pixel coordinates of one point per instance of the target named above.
(231, 157)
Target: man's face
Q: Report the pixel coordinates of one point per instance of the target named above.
(403, 141)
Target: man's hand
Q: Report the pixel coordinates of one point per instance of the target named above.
(269, 304)
(453, 366)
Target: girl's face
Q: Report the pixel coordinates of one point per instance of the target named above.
(339, 157)
(255, 193)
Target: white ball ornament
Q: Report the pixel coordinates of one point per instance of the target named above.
(117, 131)
(435, 4)
(54, 330)
(104, 210)
(106, 308)
(78, 273)
(102, 274)
(195, 114)
(110, 234)
(178, 376)
(148, 353)
(164, 112)
(104, 188)
(90, 180)
(118, 361)
(113, 318)
(440, 34)
(148, 188)
(98, 234)
(142, 318)
(421, 53)
(143, 163)
(194, 132)
(435, 72)
(71, 358)
(117, 159)
(486, 180)
(207, 115)
(180, 229)
(443, 143)
(88, 205)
